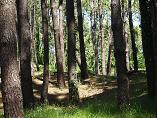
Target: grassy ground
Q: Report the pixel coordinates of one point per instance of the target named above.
(103, 105)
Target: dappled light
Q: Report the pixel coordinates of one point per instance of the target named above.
(78, 58)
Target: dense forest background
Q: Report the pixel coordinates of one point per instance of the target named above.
(78, 58)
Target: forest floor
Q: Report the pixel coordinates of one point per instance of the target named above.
(92, 86)
(97, 99)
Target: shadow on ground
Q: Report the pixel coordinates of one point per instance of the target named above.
(104, 93)
(97, 92)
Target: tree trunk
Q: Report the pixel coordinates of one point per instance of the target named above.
(61, 29)
(147, 43)
(84, 70)
(33, 44)
(37, 45)
(108, 71)
(44, 8)
(101, 36)
(154, 31)
(94, 35)
(25, 53)
(78, 60)
(132, 33)
(125, 34)
(120, 54)
(11, 85)
(58, 45)
(73, 90)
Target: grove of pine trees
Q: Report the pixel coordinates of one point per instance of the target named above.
(52, 46)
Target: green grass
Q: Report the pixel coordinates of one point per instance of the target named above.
(104, 105)
(90, 110)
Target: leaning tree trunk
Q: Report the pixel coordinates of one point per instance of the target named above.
(11, 85)
(147, 43)
(58, 45)
(44, 8)
(84, 70)
(120, 55)
(25, 53)
(73, 90)
(132, 33)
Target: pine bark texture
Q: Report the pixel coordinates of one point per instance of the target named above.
(147, 43)
(58, 44)
(108, 69)
(33, 33)
(120, 54)
(94, 35)
(73, 90)
(44, 8)
(84, 70)
(25, 53)
(101, 36)
(11, 85)
(125, 33)
(154, 30)
(132, 33)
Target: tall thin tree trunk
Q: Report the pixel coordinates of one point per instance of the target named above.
(154, 30)
(11, 85)
(147, 43)
(108, 70)
(37, 45)
(84, 70)
(94, 35)
(101, 36)
(61, 29)
(33, 44)
(120, 55)
(125, 34)
(132, 33)
(44, 8)
(58, 45)
(25, 53)
(73, 90)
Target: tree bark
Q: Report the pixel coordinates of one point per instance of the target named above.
(84, 70)
(58, 45)
(101, 36)
(44, 8)
(120, 54)
(154, 31)
(11, 85)
(61, 28)
(132, 33)
(108, 70)
(33, 44)
(37, 46)
(94, 35)
(73, 90)
(125, 34)
(147, 43)
(25, 53)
